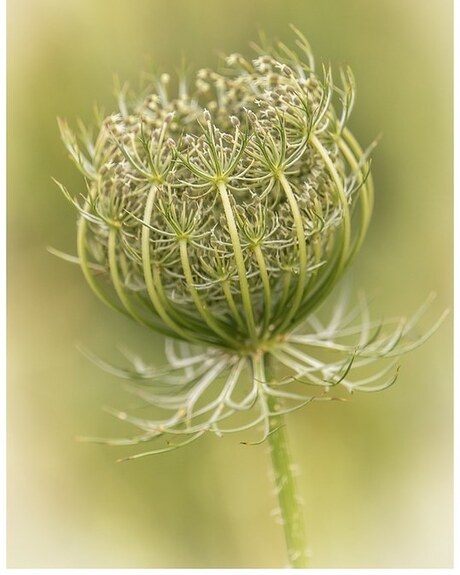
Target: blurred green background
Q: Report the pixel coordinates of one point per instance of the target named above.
(376, 471)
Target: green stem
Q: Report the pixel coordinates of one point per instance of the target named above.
(302, 248)
(239, 260)
(211, 322)
(81, 250)
(285, 485)
(231, 304)
(266, 285)
(341, 196)
(148, 275)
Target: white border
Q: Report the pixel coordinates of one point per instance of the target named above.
(3, 330)
(456, 347)
(3, 276)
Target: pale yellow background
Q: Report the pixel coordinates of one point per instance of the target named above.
(377, 471)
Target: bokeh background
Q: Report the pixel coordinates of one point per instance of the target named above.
(377, 470)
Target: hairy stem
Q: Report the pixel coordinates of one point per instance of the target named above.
(285, 485)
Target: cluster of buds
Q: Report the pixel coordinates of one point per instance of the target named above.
(222, 216)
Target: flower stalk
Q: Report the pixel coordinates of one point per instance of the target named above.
(284, 469)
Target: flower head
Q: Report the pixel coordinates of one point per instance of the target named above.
(222, 216)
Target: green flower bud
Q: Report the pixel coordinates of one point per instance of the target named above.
(223, 217)
(175, 193)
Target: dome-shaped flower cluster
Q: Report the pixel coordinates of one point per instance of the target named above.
(226, 214)
(222, 216)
